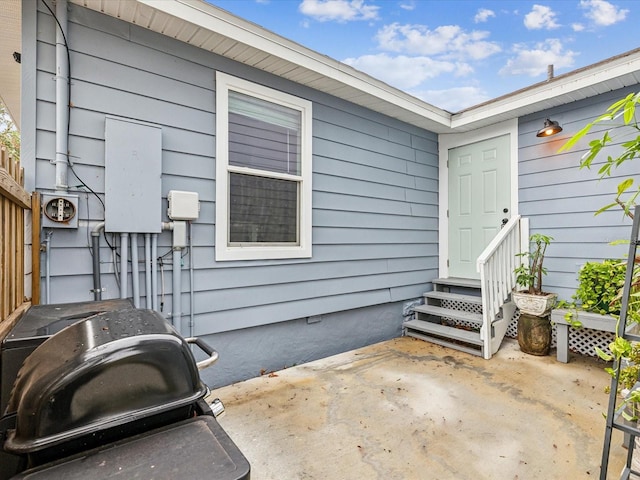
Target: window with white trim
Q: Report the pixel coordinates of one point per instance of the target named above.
(263, 172)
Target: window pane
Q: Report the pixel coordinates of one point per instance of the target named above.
(263, 135)
(262, 210)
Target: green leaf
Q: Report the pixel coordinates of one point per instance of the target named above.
(573, 140)
(623, 186)
(606, 207)
(603, 355)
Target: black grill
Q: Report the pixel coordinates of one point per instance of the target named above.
(113, 381)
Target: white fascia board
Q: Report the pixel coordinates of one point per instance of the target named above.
(542, 93)
(213, 19)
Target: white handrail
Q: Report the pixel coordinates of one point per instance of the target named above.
(496, 265)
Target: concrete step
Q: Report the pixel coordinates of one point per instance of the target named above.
(455, 297)
(451, 337)
(459, 315)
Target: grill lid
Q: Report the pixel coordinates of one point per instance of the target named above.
(102, 372)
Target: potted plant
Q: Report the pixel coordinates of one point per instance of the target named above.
(532, 300)
(534, 324)
(598, 293)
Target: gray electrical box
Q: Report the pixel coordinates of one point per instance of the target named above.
(59, 210)
(133, 174)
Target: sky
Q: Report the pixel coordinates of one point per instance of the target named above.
(453, 54)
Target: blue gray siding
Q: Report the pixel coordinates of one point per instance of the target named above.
(375, 212)
(560, 199)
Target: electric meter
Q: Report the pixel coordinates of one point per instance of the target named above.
(59, 211)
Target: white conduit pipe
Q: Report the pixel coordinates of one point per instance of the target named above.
(95, 245)
(47, 262)
(62, 98)
(176, 301)
(135, 274)
(154, 271)
(147, 269)
(124, 246)
(191, 293)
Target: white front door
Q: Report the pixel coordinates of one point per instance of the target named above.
(479, 200)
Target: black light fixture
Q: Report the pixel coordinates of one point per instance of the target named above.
(550, 128)
(17, 57)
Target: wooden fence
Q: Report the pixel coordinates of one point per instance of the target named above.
(16, 206)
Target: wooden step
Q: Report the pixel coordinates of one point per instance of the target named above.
(451, 337)
(454, 297)
(475, 318)
(457, 282)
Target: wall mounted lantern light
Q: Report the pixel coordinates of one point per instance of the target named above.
(550, 128)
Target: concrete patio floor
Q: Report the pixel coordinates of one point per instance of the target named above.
(407, 409)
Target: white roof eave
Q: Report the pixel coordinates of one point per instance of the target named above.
(200, 20)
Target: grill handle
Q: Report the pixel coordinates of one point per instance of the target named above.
(213, 355)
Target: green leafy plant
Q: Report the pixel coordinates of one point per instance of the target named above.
(529, 273)
(620, 119)
(629, 354)
(599, 285)
(622, 130)
(9, 135)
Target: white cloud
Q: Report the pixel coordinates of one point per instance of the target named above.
(540, 17)
(603, 13)
(339, 10)
(453, 99)
(448, 41)
(403, 72)
(411, 5)
(577, 27)
(534, 61)
(483, 15)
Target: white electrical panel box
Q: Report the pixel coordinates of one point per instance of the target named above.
(59, 210)
(183, 205)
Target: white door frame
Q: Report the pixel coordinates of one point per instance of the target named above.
(454, 140)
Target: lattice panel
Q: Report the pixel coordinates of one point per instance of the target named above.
(462, 306)
(585, 341)
(581, 340)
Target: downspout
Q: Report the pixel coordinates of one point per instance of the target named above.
(62, 98)
(95, 245)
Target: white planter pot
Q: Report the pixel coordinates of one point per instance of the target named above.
(538, 305)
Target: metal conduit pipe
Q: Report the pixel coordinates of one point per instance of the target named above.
(135, 274)
(124, 246)
(154, 271)
(147, 269)
(95, 246)
(62, 98)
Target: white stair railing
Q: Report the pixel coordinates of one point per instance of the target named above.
(496, 265)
